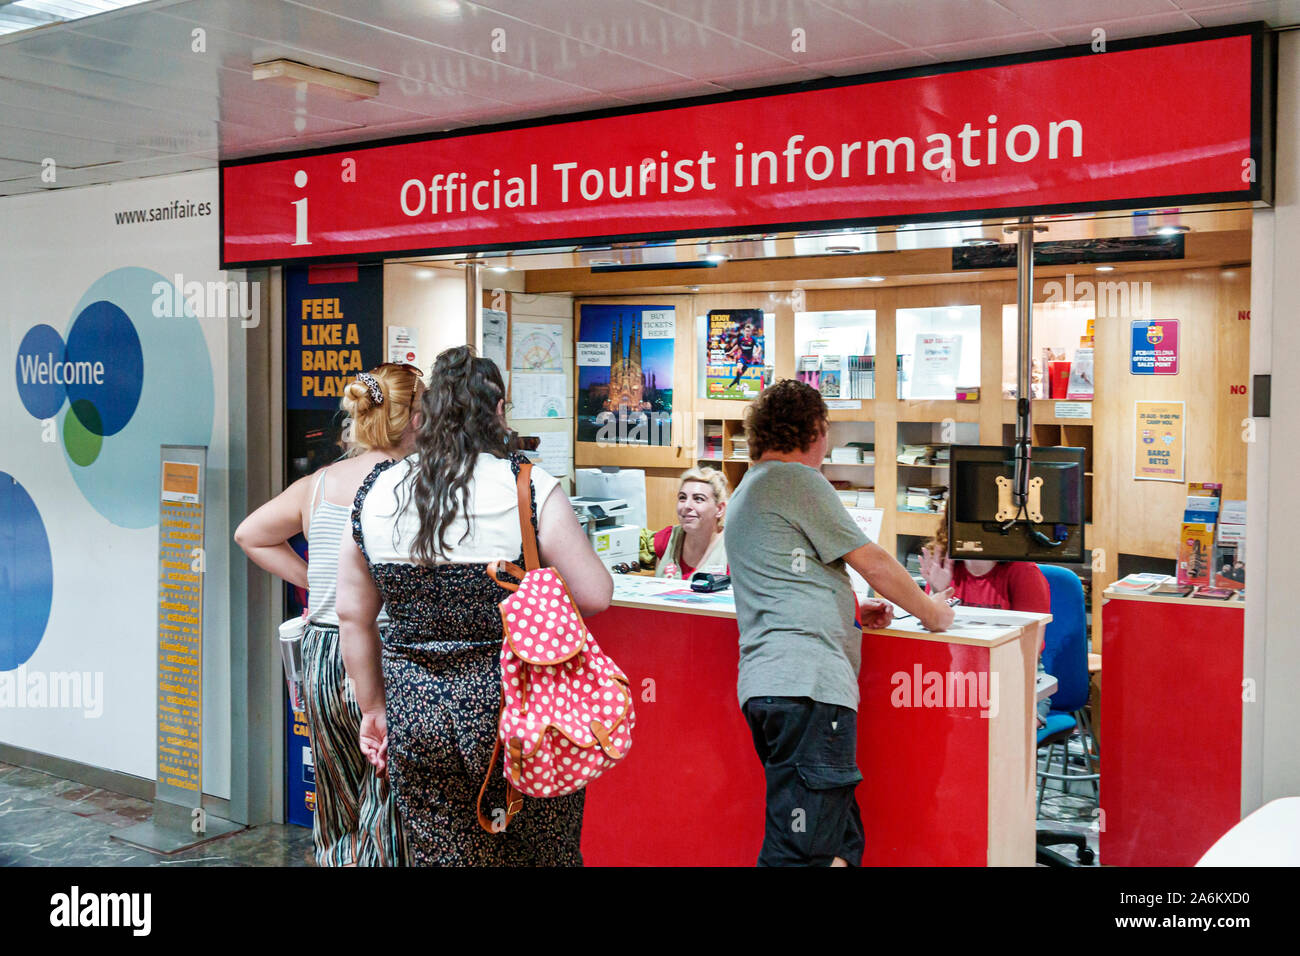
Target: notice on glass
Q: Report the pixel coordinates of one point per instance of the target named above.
(536, 347)
(494, 337)
(401, 344)
(935, 362)
(180, 625)
(593, 354)
(1158, 449)
(659, 324)
(538, 395)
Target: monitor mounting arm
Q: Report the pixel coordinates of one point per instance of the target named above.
(1025, 229)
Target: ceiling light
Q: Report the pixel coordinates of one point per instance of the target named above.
(875, 278)
(29, 14)
(336, 84)
(1105, 268)
(500, 268)
(1172, 230)
(714, 257)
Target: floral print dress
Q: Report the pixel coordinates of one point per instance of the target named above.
(442, 682)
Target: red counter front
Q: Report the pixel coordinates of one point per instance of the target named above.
(1171, 728)
(942, 785)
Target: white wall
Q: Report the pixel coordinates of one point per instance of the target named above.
(1270, 757)
(63, 250)
(429, 298)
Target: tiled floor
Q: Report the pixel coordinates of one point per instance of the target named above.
(1075, 810)
(48, 821)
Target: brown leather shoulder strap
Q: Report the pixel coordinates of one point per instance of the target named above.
(526, 530)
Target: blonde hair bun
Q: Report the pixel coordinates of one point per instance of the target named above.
(356, 397)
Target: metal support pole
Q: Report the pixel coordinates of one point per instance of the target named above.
(1024, 356)
(473, 308)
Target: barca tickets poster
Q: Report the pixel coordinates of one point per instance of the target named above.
(734, 354)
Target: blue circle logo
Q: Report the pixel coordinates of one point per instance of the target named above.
(104, 368)
(26, 575)
(41, 360)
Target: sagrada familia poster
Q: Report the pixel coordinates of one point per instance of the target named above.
(627, 399)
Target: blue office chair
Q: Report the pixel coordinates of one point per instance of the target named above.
(1065, 657)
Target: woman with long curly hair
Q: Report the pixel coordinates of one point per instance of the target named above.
(425, 530)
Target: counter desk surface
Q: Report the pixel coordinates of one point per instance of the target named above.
(985, 627)
(945, 738)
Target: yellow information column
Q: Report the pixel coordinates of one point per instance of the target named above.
(179, 820)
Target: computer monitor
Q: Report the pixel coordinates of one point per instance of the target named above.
(976, 532)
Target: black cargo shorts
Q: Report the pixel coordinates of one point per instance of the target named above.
(809, 754)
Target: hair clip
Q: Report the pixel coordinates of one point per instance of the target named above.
(372, 383)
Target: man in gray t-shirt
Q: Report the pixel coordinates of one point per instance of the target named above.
(788, 538)
(787, 534)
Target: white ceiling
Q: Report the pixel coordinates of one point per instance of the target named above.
(122, 95)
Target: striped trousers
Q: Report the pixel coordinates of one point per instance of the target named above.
(356, 821)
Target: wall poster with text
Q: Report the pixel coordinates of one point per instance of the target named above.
(625, 374)
(1158, 448)
(734, 354)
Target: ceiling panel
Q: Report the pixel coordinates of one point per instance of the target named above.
(343, 45)
(96, 87)
(934, 21)
(497, 38)
(646, 33)
(1282, 12)
(1054, 16)
(826, 33)
(125, 88)
(1134, 27)
(60, 111)
(34, 145)
(877, 64)
(974, 49)
(228, 59)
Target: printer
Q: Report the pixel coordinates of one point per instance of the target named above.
(613, 541)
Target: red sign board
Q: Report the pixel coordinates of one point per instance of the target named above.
(1157, 123)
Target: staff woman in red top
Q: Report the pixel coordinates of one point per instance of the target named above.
(1009, 585)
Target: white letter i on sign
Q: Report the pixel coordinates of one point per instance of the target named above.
(300, 205)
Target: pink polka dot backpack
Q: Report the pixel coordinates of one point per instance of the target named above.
(566, 707)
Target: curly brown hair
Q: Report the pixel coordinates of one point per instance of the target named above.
(786, 417)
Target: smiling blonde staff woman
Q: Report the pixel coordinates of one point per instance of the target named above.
(356, 821)
(695, 543)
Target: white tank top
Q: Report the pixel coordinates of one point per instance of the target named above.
(330, 524)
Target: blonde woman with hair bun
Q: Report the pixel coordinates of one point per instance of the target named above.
(695, 542)
(356, 821)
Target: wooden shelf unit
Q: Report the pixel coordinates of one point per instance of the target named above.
(1209, 293)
